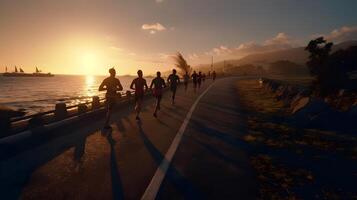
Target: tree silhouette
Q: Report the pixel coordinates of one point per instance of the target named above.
(319, 53)
(331, 71)
(181, 63)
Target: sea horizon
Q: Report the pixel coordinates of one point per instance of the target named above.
(42, 93)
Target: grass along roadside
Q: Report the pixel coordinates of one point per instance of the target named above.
(295, 163)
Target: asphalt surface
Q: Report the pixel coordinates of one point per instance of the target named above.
(90, 163)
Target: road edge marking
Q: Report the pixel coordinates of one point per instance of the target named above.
(155, 183)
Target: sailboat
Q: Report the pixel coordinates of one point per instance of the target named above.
(40, 74)
(16, 73)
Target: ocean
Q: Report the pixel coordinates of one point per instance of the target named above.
(39, 94)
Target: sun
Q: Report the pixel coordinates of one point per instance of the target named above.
(89, 62)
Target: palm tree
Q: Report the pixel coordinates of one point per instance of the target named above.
(181, 63)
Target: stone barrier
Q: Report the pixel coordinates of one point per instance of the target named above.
(60, 111)
(82, 108)
(95, 102)
(308, 111)
(36, 122)
(5, 123)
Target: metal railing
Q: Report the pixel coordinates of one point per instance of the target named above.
(61, 112)
(123, 95)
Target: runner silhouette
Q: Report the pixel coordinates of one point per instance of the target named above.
(194, 80)
(199, 79)
(111, 85)
(157, 84)
(186, 78)
(173, 80)
(138, 85)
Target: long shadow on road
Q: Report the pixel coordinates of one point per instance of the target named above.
(188, 190)
(117, 187)
(225, 137)
(15, 173)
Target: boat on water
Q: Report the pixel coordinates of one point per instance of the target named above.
(21, 73)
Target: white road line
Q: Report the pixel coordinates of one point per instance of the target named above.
(155, 183)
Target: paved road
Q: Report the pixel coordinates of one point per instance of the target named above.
(88, 163)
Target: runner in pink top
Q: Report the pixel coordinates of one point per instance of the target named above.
(138, 85)
(159, 84)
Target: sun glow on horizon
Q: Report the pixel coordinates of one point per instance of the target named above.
(89, 62)
(92, 55)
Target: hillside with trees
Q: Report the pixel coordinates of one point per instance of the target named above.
(295, 55)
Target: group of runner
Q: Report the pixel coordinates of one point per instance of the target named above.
(139, 85)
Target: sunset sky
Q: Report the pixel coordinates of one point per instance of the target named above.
(88, 36)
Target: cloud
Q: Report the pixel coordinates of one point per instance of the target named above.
(193, 56)
(278, 42)
(153, 28)
(165, 56)
(247, 45)
(221, 50)
(158, 58)
(342, 34)
(280, 38)
(116, 48)
(149, 60)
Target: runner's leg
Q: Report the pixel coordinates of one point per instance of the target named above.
(158, 100)
(173, 94)
(138, 107)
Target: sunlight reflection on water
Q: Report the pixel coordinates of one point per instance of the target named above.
(41, 94)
